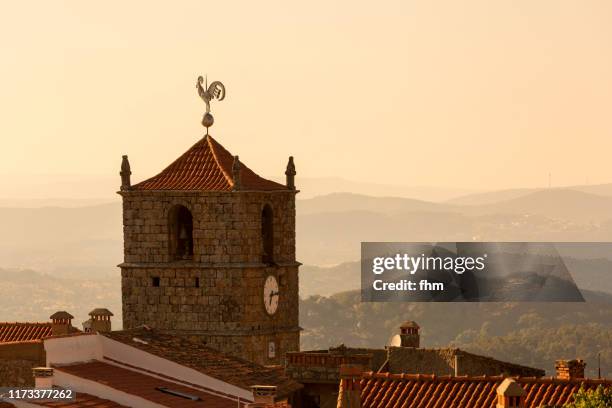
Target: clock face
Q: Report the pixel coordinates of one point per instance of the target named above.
(271, 294)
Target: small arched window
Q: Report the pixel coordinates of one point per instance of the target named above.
(180, 227)
(267, 235)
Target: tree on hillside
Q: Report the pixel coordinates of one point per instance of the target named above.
(598, 398)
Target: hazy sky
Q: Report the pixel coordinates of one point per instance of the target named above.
(479, 94)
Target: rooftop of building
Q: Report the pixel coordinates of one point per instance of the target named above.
(391, 359)
(197, 356)
(15, 331)
(396, 390)
(148, 386)
(206, 166)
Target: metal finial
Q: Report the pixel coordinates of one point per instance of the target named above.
(216, 90)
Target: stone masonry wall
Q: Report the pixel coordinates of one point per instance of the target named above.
(217, 297)
(16, 373)
(442, 362)
(228, 299)
(226, 311)
(17, 360)
(226, 225)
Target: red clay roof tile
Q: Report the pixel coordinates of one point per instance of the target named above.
(224, 367)
(206, 166)
(12, 332)
(416, 390)
(145, 386)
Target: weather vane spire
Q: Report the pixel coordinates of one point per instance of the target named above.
(216, 90)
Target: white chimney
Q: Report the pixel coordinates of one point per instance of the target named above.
(43, 377)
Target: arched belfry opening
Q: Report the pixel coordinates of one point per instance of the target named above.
(267, 235)
(180, 227)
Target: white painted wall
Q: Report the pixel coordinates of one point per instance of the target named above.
(72, 349)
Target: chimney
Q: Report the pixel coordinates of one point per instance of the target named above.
(125, 174)
(61, 323)
(263, 395)
(570, 369)
(349, 395)
(290, 173)
(409, 334)
(100, 320)
(456, 364)
(43, 377)
(510, 394)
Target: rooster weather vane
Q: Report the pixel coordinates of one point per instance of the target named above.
(216, 90)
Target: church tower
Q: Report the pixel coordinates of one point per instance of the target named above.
(209, 253)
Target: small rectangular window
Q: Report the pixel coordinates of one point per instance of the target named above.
(155, 281)
(197, 282)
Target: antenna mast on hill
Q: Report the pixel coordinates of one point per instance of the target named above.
(599, 365)
(549, 180)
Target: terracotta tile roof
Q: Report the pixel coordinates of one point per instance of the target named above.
(145, 386)
(206, 166)
(418, 390)
(230, 369)
(12, 332)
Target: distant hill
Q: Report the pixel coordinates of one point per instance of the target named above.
(84, 241)
(491, 197)
(88, 240)
(589, 274)
(27, 295)
(599, 189)
(347, 202)
(317, 186)
(570, 205)
(562, 204)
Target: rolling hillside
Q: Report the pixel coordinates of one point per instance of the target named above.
(88, 240)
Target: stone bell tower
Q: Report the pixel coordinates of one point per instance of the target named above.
(209, 253)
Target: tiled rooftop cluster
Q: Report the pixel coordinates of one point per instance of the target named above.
(416, 390)
(10, 332)
(193, 354)
(146, 386)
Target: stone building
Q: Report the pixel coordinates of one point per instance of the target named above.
(320, 370)
(21, 346)
(145, 368)
(209, 252)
